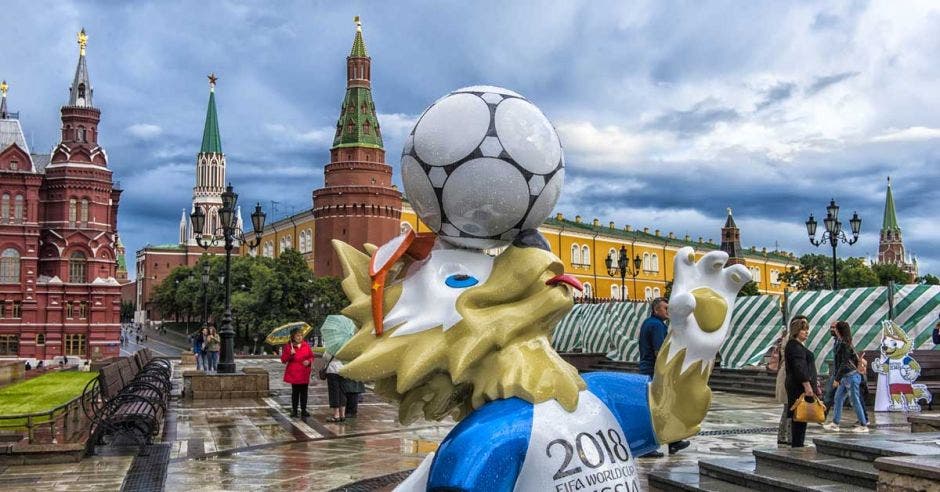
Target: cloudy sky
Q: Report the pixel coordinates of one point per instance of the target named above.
(669, 112)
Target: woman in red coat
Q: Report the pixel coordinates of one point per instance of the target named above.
(299, 359)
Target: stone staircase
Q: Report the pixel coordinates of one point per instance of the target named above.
(842, 463)
(744, 381)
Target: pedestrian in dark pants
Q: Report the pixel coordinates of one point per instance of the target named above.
(830, 390)
(652, 334)
(299, 359)
(353, 390)
(801, 376)
(936, 333)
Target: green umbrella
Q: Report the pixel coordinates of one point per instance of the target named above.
(336, 330)
(281, 334)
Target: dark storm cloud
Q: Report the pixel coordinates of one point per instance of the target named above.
(652, 87)
(821, 83)
(699, 119)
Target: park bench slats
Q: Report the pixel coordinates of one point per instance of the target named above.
(131, 395)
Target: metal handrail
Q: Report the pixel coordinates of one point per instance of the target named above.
(71, 408)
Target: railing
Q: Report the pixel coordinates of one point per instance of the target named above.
(604, 300)
(66, 420)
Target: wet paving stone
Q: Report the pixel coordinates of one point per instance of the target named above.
(239, 445)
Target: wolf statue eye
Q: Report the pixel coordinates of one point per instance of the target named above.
(461, 281)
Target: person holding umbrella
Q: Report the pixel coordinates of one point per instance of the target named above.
(298, 356)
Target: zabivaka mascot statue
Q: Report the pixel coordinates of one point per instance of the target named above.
(458, 323)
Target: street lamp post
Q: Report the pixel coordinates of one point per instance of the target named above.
(623, 268)
(834, 234)
(229, 233)
(205, 294)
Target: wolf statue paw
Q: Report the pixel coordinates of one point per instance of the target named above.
(703, 295)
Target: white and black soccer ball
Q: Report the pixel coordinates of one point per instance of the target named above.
(481, 164)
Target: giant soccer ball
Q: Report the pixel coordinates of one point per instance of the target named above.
(482, 164)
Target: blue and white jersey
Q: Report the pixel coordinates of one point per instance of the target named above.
(512, 445)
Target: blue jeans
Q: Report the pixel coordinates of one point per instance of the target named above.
(213, 360)
(849, 386)
(199, 361)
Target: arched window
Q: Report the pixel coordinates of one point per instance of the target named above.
(588, 290)
(648, 292)
(73, 212)
(586, 255)
(82, 135)
(656, 292)
(614, 255)
(575, 255)
(18, 208)
(84, 215)
(41, 339)
(77, 268)
(646, 262)
(10, 266)
(654, 262)
(4, 207)
(615, 292)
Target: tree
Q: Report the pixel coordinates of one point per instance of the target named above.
(855, 273)
(749, 289)
(814, 273)
(890, 272)
(127, 311)
(266, 293)
(929, 279)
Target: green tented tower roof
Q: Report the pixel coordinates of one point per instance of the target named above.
(211, 140)
(890, 222)
(358, 125)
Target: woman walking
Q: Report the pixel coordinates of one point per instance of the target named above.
(801, 376)
(298, 356)
(213, 345)
(847, 381)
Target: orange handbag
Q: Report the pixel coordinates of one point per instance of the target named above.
(809, 411)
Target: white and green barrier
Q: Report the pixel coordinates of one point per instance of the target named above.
(757, 321)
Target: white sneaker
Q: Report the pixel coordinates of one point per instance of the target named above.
(831, 426)
(860, 428)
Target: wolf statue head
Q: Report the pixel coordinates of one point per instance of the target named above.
(895, 344)
(447, 349)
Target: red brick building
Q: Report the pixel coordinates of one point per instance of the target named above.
(58, 232)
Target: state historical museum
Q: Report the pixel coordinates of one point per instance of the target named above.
(59, 293)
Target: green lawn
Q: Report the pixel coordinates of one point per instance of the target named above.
(39, 394)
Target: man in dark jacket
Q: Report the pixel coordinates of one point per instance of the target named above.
(652, 334)
(936, 333)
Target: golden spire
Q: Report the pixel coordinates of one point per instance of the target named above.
(212, 80)
(4, 88)
(358, 24)
(82, 41)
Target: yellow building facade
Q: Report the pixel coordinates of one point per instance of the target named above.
(584, 247)
(581, 246)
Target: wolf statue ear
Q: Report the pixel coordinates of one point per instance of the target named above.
(531, 238)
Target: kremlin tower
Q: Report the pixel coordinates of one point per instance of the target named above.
(358, 203)
(890, 245)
